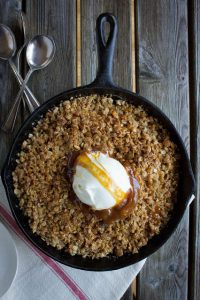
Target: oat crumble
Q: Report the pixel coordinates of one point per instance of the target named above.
(131, 136)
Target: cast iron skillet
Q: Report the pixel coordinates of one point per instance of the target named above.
(103, 84)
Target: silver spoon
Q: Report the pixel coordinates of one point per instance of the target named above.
(39, 53)
(7, 51)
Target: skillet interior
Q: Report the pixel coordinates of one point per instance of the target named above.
(111, 262)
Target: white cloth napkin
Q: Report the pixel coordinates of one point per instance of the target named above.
(40, 277)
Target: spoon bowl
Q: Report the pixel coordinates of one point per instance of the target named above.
(7, 42)
(40, 51)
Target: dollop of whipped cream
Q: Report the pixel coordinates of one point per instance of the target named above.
(100, 181)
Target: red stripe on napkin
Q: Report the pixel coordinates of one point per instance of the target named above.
(58, 271)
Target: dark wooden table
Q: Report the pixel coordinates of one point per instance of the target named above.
(158, 53)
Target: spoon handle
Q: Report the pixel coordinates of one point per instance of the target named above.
(18, 67)
(30, 98)
(23, 23)
(9, 123)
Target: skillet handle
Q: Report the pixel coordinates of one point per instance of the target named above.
(105, 50)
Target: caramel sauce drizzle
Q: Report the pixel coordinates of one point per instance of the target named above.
(102, 176)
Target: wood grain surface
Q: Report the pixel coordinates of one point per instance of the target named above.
(163, 79)
(59, 21)
(8, 84)
(194, 56)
